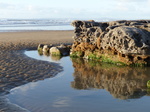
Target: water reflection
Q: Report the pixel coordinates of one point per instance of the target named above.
(88, 90)
(120, 82)
(55, 58)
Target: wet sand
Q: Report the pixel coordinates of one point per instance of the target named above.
(17, 69)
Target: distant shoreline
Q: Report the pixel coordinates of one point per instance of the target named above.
(31, 31)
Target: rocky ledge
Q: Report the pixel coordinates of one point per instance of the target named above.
(118, 42)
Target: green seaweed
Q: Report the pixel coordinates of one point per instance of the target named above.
(110, 61)
(93, 57)
(76, 54)
(105, 59)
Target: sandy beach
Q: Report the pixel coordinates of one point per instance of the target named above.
(17, 69)
(30, 39)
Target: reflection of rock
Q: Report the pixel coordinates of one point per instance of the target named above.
(46, 53)
(55, 58)
(121, 82)
(40, 52)
(127, 42)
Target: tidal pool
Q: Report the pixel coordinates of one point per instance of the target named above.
(85, 86)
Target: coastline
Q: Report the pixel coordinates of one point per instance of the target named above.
(17, 69)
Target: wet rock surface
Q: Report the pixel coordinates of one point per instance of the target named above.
(128, 41)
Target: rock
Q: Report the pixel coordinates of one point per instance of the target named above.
(61, 50)
(126, 42)
(40, 47)
(65, 50)
(55, 51)
(46, 48)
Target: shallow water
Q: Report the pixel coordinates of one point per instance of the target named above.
(85, 86)
(34, 28)
(15, 25)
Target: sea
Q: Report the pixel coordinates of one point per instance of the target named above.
(15, 25)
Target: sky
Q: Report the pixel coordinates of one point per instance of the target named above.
(113, 9)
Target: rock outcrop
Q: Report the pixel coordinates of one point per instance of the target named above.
(119, 42)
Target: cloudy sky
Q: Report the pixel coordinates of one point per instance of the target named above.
(115, 9)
